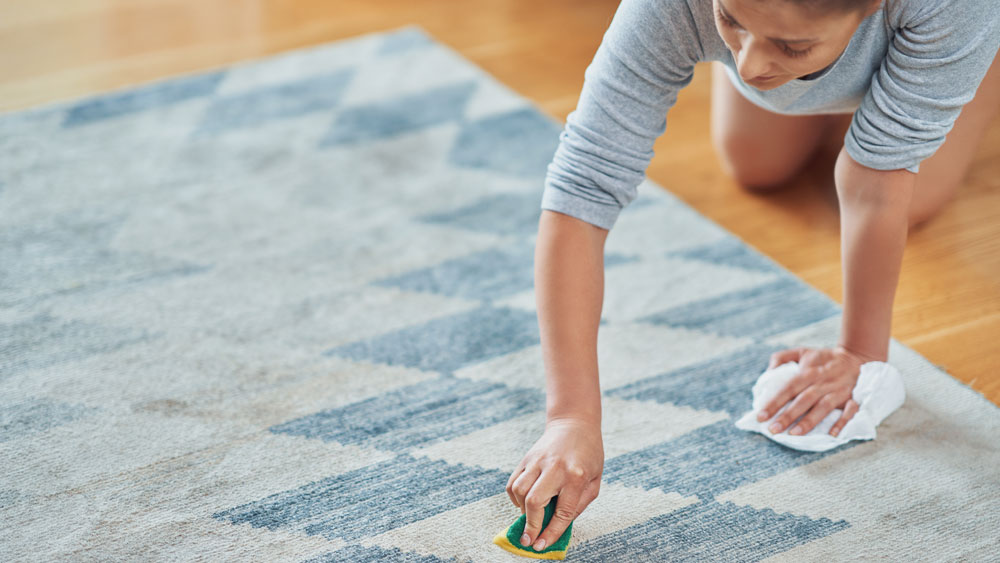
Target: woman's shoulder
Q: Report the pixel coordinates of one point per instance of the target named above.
(664, 15)
(687, 26)
(901, 14)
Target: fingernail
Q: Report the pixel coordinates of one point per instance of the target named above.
(525, 539)
(762, 416)
(540, 545)
(795, 431)
(835, 432)
(774, 428)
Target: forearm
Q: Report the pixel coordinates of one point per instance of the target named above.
(874, 217)
(569, 293)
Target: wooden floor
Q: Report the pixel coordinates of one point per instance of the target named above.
(948, 302)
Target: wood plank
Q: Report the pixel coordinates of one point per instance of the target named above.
(948, 301)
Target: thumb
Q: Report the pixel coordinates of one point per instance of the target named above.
(785, 356)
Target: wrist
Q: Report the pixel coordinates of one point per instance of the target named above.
(585, 418)
(863, 354)
(578, 400)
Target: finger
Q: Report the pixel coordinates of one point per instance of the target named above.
(517, 496)
(590, 492)
(802, 403)
(565, 512)
(546, 486)
(791, 389)
(523, 483)
(850, 409)
(510, 483)
(816, 414)
(785, 356)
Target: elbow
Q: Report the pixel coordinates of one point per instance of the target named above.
(862, 188)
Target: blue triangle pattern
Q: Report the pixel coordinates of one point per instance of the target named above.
(719, 384)
(502, 214)
(374, 554)
(37, 415)
(251, 109)
(762, 311)
(487, 275)
(729, 251)
(402, 41)
(519, 143)
(54, 341)
(491, 274)
(449, 343)
(141, 99)
(79, 256)
(370, 500)
(417, 415)
(400, 115)
(710, 531)
(708, 461)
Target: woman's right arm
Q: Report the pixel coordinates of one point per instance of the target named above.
(569, 293)
(568, 459)
(646, 56)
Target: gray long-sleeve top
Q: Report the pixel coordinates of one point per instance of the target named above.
(906, 73)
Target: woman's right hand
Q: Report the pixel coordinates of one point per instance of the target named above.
(567, 461)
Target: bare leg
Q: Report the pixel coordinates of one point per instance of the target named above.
(943, 172)
(760, 149)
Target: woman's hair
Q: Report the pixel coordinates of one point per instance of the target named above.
(828, 6)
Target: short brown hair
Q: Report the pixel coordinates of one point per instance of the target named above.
(828, 6)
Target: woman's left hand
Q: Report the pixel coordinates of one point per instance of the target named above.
(825, 382)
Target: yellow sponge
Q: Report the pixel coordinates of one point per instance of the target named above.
(511, 538)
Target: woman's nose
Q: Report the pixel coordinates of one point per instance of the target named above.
(750, 60)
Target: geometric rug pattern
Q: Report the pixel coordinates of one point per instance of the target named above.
(284, 311)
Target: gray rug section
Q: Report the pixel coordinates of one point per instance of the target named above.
(284, 311)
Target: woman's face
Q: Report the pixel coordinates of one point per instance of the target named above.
(774, 41)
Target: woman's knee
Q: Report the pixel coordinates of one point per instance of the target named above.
(758, 148)
(751, 165)
(929, 200)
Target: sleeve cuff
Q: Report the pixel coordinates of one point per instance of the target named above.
(876, 161)
(596, 213)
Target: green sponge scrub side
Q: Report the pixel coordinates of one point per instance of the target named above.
(511, 539)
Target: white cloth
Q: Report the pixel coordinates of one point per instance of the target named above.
(878, 392)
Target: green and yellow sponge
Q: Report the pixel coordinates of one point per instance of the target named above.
(511, 539)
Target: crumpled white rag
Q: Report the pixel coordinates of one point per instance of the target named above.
(878, 392)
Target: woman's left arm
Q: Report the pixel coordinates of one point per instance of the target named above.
(939, 53)
(874, 220)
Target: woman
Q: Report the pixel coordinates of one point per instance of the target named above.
(906, 73)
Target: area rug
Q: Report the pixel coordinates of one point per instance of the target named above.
(283, 311)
